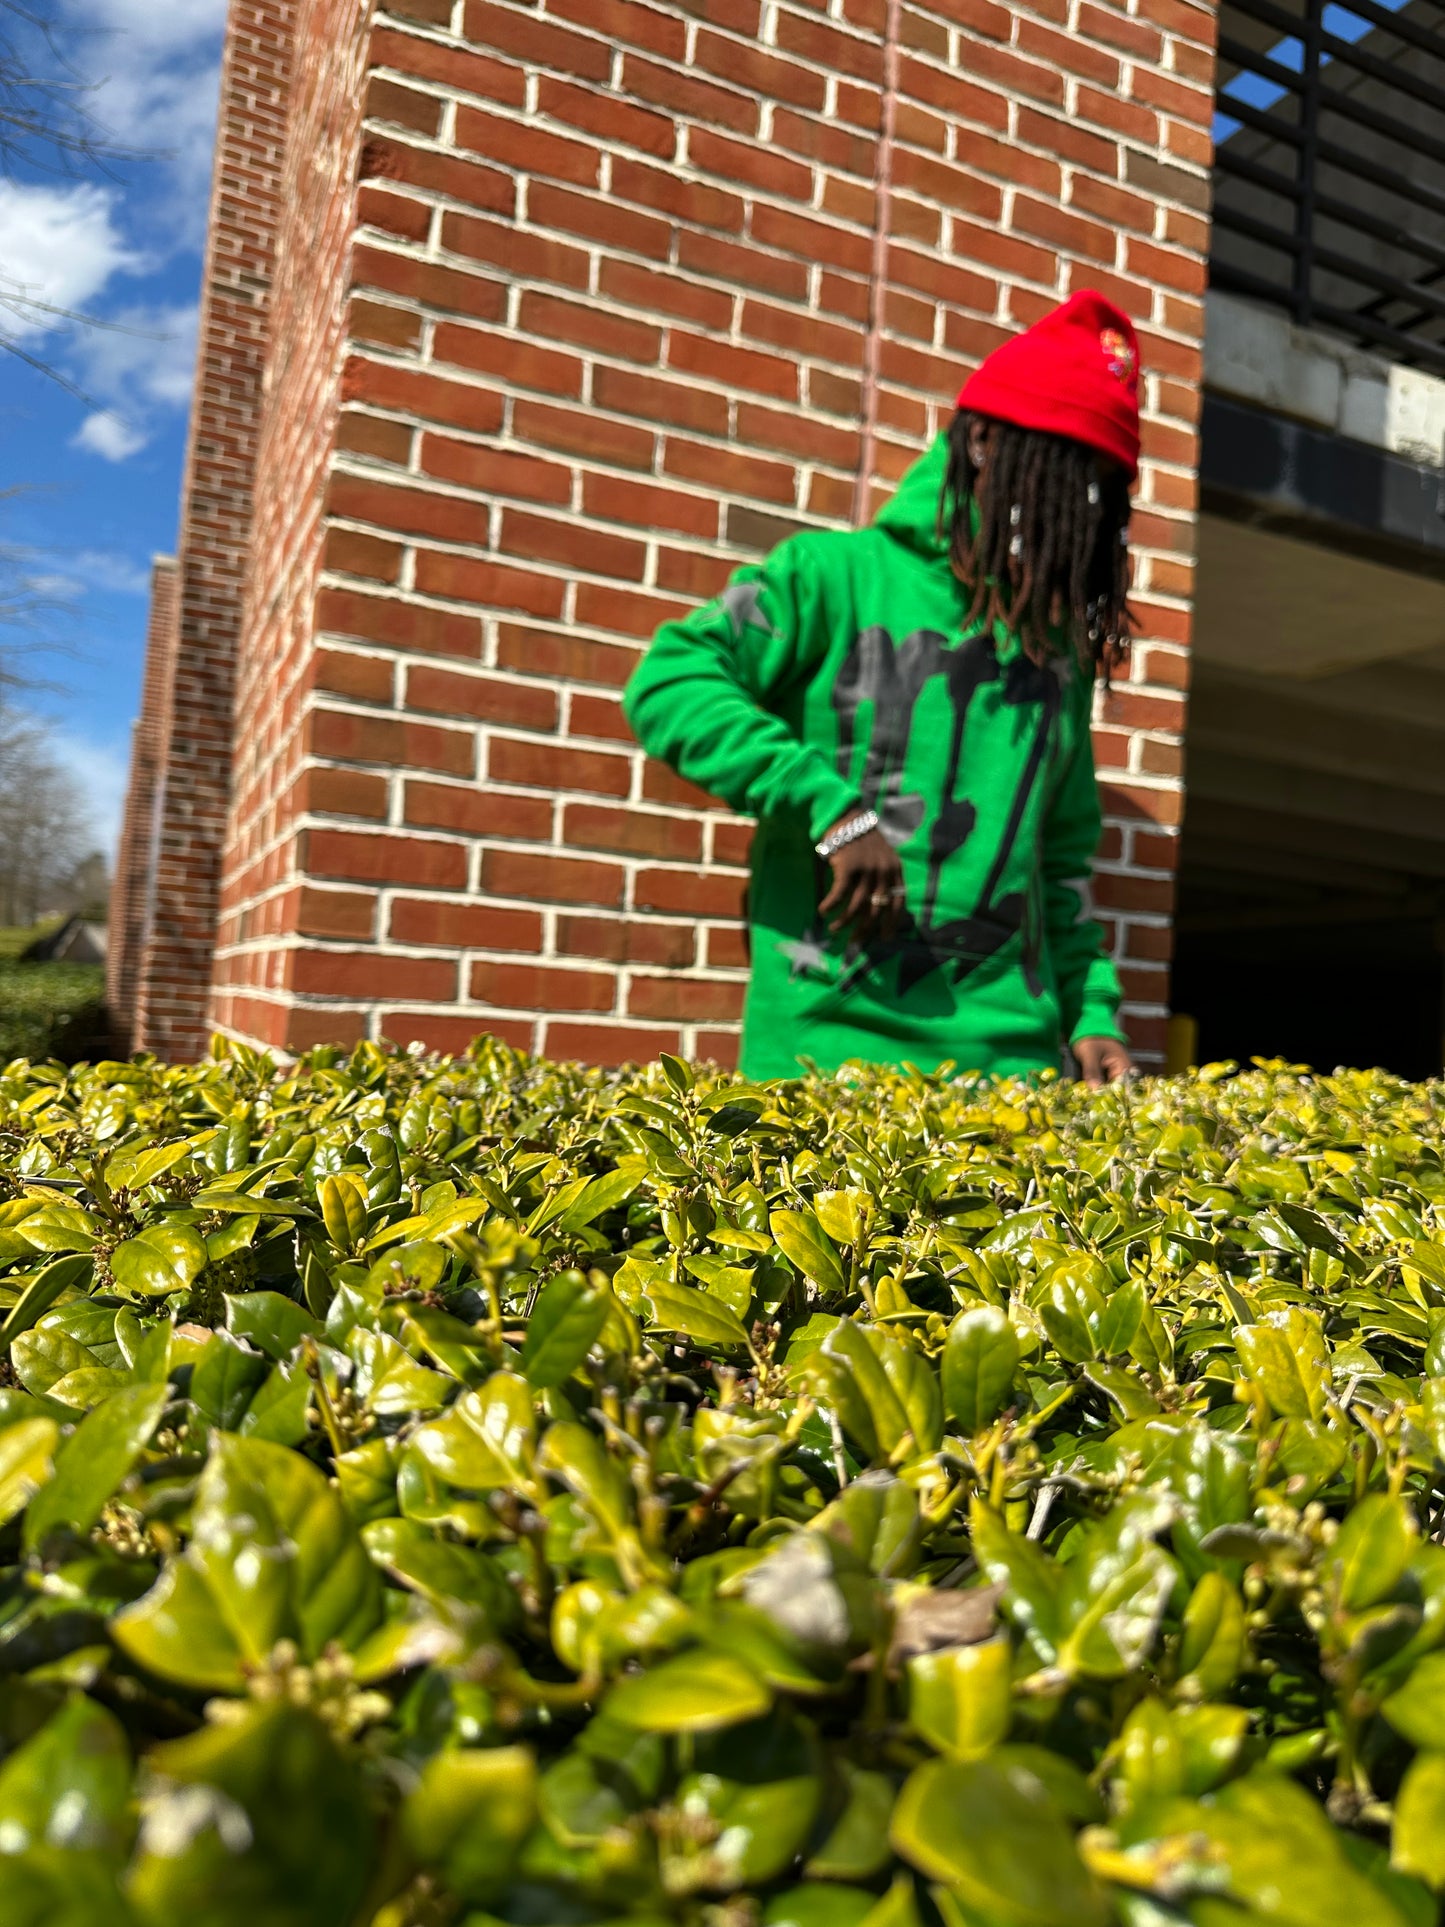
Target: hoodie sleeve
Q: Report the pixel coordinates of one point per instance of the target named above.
(703, 698)
(1089, 990)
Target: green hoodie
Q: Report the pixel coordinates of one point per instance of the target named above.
(844, 672)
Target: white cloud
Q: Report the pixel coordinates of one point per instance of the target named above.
(140, 367)
(109, 436)
(111, 572)
(60, 247)
(156, 65)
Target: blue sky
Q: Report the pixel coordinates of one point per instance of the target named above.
(97, 480)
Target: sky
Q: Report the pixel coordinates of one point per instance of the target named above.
(90, 481)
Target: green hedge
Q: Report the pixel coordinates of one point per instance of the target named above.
(490, 1491)
(49, 1009)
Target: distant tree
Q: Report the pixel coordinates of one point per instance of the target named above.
(45, 827)
(86, 891)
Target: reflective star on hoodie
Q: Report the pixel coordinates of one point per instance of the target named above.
(743, 602)
(808, 957)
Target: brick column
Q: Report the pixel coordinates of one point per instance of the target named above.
(194, 752)
(130, 890)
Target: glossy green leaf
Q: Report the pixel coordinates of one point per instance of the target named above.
(992, 1835)
(1288, 1359)
(27, 1450)
(1417, 1837)
(566, 1322)
(979, 1361)
(470, 1813)
(694, 1692)
(160, 1260)
(94, 1460)
(68, 1787)
(273, 1324)
(804, 1242)
(960, 1699)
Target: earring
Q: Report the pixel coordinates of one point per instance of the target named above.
(1093, 495)
(1016, 514)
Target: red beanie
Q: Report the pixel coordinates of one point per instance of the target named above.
(1074, 373)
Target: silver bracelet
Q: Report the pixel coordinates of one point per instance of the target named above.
(847, 833)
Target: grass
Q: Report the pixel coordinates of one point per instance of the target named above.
(46, 1009)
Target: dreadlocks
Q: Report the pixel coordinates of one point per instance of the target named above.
(1050, 551)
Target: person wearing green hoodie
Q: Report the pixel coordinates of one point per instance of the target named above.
(905, 710)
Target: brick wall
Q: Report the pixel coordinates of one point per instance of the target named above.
(269, 910)
(130, 888)
(626, 306)
(195, 725)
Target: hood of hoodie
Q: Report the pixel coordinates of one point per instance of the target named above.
(911, 517)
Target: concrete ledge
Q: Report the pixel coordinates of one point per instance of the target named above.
(1321, 487)
(1257, 354)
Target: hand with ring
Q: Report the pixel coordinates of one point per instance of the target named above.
(867, 897)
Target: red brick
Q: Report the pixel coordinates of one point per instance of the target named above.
(447, 518)
(458, 68)
(800, 333)
(305, 1026)
(732, 841)
(688, 893)
(335, 913)
(399, 624)
(521, 254)
(418, 391)
(570, 658)
(374, 438)
(829, 48)
(454, 290)
(730, 471)
(599, 218)
(447, 924)
(512, 759)
(530, 149)
(598, 716)
(575, 547)
(528, 986)
(1112, 25)
(633, 286)
(630, 612)
(488, 698)
(650, 506)
(496, 471)
(727, 947)
(358, 857)
(510, 358)
(370, 974)
(610, 117)
(590, 328)
(687, 1000)
(669, 193)
(592, 826)
(742, 265)
(609, 1045)
(762, 167)
(341, 672)
(551, 879)
(478, 812)
(453, 1036)
(688, 95)
(350, 552)
(398, 214)
(347, 737)
(718, 1047)
(652, 399)
(399, 106)
(578, 431)
(732, 367)
(536, 41)
(627, 940)
(494, 585)
(798, 434)
(343, 792)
